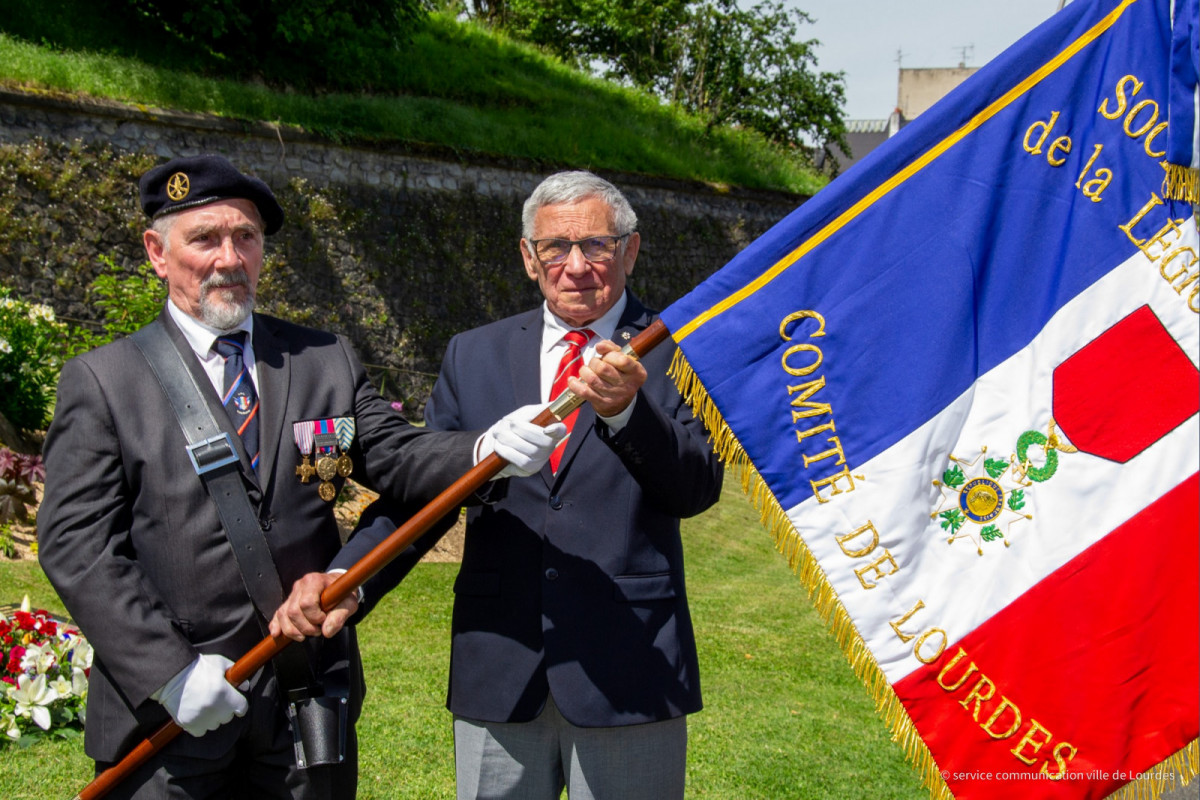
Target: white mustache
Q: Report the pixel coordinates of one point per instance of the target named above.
(225, 280)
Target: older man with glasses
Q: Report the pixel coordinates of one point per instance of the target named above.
(573, 660)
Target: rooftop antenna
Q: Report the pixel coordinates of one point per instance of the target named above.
(965, 52)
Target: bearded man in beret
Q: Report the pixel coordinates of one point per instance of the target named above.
(140, 529)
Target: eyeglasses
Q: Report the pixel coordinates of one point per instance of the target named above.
(594, 248)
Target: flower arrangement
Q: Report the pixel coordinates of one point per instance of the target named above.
(44, 664)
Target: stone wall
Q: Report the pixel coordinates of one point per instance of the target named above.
(397, 247)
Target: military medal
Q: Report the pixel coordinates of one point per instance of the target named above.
(303, 434)
(344, 427)
(328, 441)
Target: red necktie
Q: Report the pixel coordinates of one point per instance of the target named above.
(568, 368)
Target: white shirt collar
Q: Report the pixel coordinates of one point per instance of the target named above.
(554, 328)
(200, 336)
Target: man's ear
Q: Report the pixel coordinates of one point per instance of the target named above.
(530, 263)
(632, 245)
(155, 251)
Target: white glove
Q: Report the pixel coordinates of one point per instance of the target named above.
(525, 446)
(199, 698)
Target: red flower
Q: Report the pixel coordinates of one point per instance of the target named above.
(14, 659)
(25, 620)
(8, 679)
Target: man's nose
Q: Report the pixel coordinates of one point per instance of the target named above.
(575, 262)
(228, 256)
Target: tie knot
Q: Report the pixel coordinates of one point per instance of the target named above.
(577, 339)
(230, 343)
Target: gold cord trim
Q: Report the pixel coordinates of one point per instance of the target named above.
(789, 542)
(1156, 780)
(1181, 182)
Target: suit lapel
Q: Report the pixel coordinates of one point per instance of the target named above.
(274, 380)
(524, 360)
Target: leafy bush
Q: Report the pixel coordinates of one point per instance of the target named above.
(18, 472)
(129, 302)
(31, 356)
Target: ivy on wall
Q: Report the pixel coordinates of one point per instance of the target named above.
(398, 269)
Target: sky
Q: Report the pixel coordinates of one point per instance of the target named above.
(862, 37)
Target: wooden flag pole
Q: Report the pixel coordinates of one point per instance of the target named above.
(451, 499)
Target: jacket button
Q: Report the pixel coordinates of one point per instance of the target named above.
(552, 574)
(555, 502)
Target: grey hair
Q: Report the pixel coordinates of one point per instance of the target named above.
(162, 226)
(571, 187)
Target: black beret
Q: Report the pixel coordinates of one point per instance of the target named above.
(184, 183)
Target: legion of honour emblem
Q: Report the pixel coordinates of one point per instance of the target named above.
(983, 498)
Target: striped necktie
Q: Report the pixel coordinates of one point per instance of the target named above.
(572, 360)
(240, 399)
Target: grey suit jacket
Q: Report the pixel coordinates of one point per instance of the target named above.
(133, 544)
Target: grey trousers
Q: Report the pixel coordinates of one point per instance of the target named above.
(537, 760)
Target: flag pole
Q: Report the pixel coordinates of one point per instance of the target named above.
(451, 499)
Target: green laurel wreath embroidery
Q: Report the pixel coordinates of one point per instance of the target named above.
(1016, 499)
(952, 520)
(995, 467)
(990, 533)
(954, 477)
(1047, 470)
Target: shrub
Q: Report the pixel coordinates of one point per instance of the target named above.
(31, 356)
(128, 302)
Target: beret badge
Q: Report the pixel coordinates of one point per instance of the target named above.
(178, 186)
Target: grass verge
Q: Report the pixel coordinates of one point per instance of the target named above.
(784, 715)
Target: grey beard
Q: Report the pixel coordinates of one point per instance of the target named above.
(220, 311)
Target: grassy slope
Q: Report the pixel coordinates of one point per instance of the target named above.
(784, 716)
(459, 87)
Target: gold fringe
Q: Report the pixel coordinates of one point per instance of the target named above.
(789, 542)
(1175, 771)
(1181, 182)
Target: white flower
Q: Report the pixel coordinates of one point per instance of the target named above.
(32, 696)
(79, 682)
(61, 686)
(9, 723)
(81, 652)
(38, 658)
(5, 347)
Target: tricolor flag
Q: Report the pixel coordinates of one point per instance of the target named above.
(962, 383)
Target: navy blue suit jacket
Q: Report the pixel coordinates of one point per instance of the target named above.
(574, 583)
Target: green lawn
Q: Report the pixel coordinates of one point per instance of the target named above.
(784, 715)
